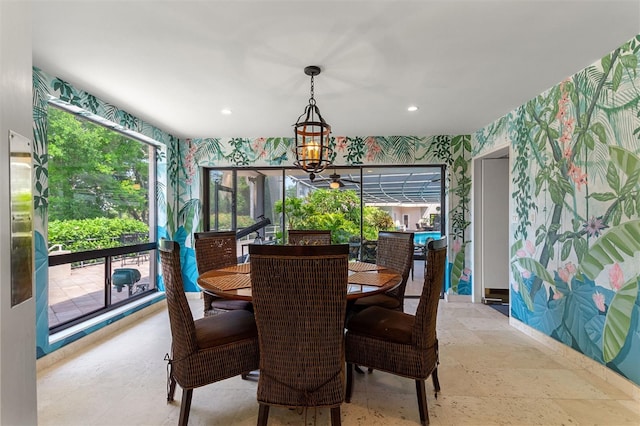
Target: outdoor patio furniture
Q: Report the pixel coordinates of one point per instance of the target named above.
(125, 277)
(130, 239)
(354, 251)
(369, 249)
(309, 237)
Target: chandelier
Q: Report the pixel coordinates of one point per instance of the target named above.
(312, 135)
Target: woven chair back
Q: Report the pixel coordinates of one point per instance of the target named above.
(183, 331)
(215, 249)
(309, 237)
(395, 251)
(424, 333)
(299, 297)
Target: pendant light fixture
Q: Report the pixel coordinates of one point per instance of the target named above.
(312, 135)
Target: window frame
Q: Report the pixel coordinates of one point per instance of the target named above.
(108, 256)
(360, 167)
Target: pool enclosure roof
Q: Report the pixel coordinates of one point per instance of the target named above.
(382, 185)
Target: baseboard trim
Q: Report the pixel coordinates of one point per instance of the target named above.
(457, 298)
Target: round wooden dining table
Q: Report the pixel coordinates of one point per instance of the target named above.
(234, 282)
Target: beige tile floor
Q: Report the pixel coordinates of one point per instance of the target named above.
(491, 374)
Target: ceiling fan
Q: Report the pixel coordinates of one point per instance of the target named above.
(337, 182)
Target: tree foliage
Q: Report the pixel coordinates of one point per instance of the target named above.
(94, 171)
(338, 211)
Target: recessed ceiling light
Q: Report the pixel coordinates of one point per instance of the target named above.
(412, 108)
(226, 111)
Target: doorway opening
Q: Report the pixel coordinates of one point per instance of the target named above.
(491, 228)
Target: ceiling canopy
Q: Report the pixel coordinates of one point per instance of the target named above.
(381, 186)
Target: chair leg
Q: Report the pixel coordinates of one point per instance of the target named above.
(185, 407)
(434, 373)
(335, 416)
(263, 415)
(347, 396)
(436, 382)
(422, 402)
(172, 389)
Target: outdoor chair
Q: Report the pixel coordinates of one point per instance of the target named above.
(354, 247)
(299, 298)
(127, 277)
(309, 237)
(399, 343)
(369, 249)
(130, 239)
(206, 350)
(215, 250)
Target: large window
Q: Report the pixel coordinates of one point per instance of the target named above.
(355, 203)
(100, 230)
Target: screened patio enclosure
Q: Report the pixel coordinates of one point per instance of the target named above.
(409, 198)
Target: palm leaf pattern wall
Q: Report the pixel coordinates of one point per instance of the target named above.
(575, 185)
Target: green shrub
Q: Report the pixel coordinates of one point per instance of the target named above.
(338, 211)
(93, 234)
(224, 221)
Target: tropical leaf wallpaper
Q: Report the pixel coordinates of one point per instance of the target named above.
(575, 191)
(574, 182)
(453, 151)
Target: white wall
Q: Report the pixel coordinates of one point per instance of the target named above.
(495, 223)
(17, 325)
(415, 214)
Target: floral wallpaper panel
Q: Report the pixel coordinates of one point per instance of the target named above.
(575, 185)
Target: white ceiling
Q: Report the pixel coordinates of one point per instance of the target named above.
(177, 64)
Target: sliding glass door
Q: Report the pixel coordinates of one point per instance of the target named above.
(222, 208)
(355, 203)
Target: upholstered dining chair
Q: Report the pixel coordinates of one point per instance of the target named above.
(399, 343)
(214, 250)
(309, 237)
(299, 297)
(395, 251)
(208, 349)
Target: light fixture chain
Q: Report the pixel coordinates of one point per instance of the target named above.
(312, 100)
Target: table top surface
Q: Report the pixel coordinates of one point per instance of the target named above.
(234, 282)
